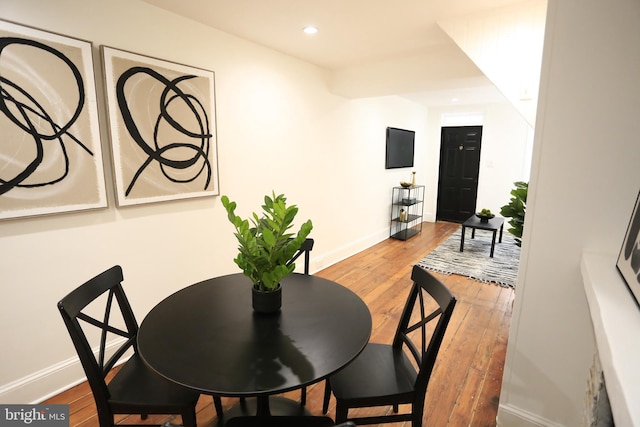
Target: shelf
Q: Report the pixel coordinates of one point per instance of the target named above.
(408, 203)
(405, 234)
(410, 218)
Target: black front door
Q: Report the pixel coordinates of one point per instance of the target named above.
(459, 167)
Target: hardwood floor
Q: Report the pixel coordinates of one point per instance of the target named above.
(465, 385)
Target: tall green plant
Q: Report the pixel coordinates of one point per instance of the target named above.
(516, 210)
(265, 243)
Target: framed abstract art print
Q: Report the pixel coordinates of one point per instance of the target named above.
(50, 153)
(162, 123)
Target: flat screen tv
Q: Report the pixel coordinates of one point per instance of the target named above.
(400, 145)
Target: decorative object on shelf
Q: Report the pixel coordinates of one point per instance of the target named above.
(162, 119)
(485, 215)
(516, 210)
(409, 201)
(50, 153)
(403, 215)
(266, 247)
(411, 184)
(628, 264)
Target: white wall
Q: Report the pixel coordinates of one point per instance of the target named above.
(279, 128)
(585, 179)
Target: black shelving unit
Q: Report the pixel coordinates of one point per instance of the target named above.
(407, 208)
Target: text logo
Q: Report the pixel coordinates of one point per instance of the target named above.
(34, 415)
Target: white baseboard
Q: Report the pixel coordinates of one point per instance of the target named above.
(43, 384)
(340, 254)
(512, 416)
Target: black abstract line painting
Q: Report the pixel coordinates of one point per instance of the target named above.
(162, 120)
(50, 158)
(170, 94)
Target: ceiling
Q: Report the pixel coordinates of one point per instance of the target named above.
(356, 34)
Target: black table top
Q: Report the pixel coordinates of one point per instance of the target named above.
(493, 224)
(207, 337)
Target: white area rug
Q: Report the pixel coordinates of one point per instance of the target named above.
(475, 262)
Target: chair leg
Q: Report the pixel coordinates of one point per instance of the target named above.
(396, 408)
(303, 396)
(327, 396)
(417, 409)
(189, 417)
(217, 402)
(341, 412)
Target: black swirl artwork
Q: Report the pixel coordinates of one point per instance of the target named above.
(169, 156)
(29, 115)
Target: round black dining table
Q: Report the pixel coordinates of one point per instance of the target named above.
(208, 338)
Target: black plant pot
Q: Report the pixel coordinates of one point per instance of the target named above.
(266, 301)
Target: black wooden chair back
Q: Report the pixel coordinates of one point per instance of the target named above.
(71, 307)
(422, 333)
(134, 389)
(305, 250)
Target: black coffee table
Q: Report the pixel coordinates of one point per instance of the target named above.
(206, 337)
(494, 224)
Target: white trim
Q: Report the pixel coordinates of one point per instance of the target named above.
(512, 416)
(39, 386)
(340, 254)
(46, 383)
(471, 118)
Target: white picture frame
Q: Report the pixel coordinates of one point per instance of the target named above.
(50, 151)
(162, 124)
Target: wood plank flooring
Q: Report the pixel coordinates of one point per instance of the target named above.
(465, 385)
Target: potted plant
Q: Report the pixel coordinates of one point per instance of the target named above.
(266, 246)
(516, 210)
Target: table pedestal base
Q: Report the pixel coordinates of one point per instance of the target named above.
(276, 405)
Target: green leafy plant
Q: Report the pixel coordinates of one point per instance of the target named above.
(516, 210)
(265, 244)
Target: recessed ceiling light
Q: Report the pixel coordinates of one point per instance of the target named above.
(455, 99)
(310, 30)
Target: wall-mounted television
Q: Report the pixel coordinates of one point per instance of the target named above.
(400, 146)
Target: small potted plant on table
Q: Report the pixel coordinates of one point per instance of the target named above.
(266, 246)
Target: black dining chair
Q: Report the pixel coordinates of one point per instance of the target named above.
(285, 421)
(134, 389)
(391, 375)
